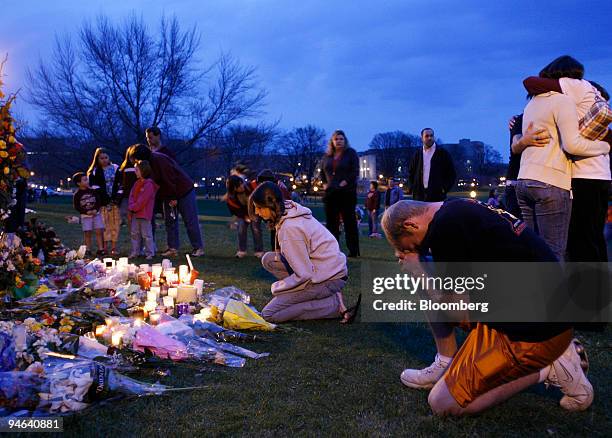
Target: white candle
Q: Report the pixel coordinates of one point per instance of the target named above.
(145, 268)
(100, 330)
(123, 261)
(199, 285)
(166, 264)
(172, 292)
(154, 318)
(156, 270)
(184, 274)
(168, 301)
(109, 263)
(150, 306)
(186, 294)
(152, 296)
(116, 338)
(155, 289)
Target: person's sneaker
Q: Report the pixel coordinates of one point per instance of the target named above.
(241, 254)
(149, 258)
(567, 374)
(259, 254)
(197, 252)
(170, 252)
(425, 378)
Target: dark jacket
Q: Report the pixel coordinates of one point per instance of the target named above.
(167, 151)
(347, 169)
(173, 182)
(96, 179)
(442, 176)
(372, 201)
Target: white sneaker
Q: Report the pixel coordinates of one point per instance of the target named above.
(425, 378)
(241, 254)
(259, 254)
(567, 374)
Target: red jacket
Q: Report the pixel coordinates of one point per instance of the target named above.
(142, 199)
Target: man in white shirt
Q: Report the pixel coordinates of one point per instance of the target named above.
(431, 173)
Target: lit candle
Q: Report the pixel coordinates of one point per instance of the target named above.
(154, 318)
(109, 263)
(100, 330)
(172, 292)
(116, 338)
(186, 294)
(168, 301)
(199, 285)
(156, 290)
(123, 261)
(150, 306)
(156, 270)
(138, 322)
(184, 274)
(152, 296)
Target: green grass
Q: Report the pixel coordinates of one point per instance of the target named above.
(321, 378)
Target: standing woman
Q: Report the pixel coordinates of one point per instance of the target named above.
(340, 170)
(101, 174)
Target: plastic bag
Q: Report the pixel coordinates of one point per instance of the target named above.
(19, 389)
(239, 316)
(221, 297)
(213, 331)
(199, 349)
(161, 345)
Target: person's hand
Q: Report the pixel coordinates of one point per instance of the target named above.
(173, 203)
(512, 122)
(343, 183)
(536, 137)
(325, 186)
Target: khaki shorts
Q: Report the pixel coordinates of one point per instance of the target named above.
(488, 359)
(92, 222)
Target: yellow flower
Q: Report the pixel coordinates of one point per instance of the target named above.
(2, 144)
(11, 139)
(3, 154)
(6, 170)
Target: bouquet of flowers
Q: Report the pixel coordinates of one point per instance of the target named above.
(19, 269)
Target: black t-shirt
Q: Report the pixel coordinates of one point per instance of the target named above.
(514, 164)
(465, 230)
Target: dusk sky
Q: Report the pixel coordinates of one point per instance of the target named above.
(362, 66)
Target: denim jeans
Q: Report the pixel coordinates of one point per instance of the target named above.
(243, 228)
(141, 230)
(188, 210)
(547, 210)
(373, 221)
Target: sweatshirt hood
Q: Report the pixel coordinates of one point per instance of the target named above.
(293, 210)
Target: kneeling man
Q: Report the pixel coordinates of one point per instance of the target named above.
(497, 360)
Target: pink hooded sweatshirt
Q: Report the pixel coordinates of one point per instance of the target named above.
(142, 199)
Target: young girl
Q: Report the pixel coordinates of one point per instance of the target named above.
(141, 203)
(237, 199)
(127, 178)
(101, 174)
(307, 261)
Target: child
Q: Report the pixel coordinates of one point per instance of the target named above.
(140, 207)
(87, 202)
(102, 175)
(310, 268)
(237, 199)
(372, 205)
(492, 201)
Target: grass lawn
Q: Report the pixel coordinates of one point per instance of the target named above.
(321, 378)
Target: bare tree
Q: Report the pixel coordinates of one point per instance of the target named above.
(393, 151)
(244, 143)
(115, 80)
(303, 148)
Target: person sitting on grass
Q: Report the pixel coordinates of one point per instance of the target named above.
(307, 261)
(140, 207)
(87, 202)
(469, 380)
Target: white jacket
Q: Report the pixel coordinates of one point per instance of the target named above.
(309, 248)
(550, 164)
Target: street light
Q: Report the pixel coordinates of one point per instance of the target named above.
(472, 194)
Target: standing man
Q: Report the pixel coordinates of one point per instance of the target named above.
(153, 135)
(176, 190)
(431, 173)
(393, 193)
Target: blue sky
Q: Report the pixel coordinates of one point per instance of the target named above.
(365, 67)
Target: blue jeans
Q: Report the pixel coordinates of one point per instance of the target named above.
(373, 221)
(188, 209)
(243, 228)
(547, 210)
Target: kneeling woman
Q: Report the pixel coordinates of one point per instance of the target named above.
(307, 261)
